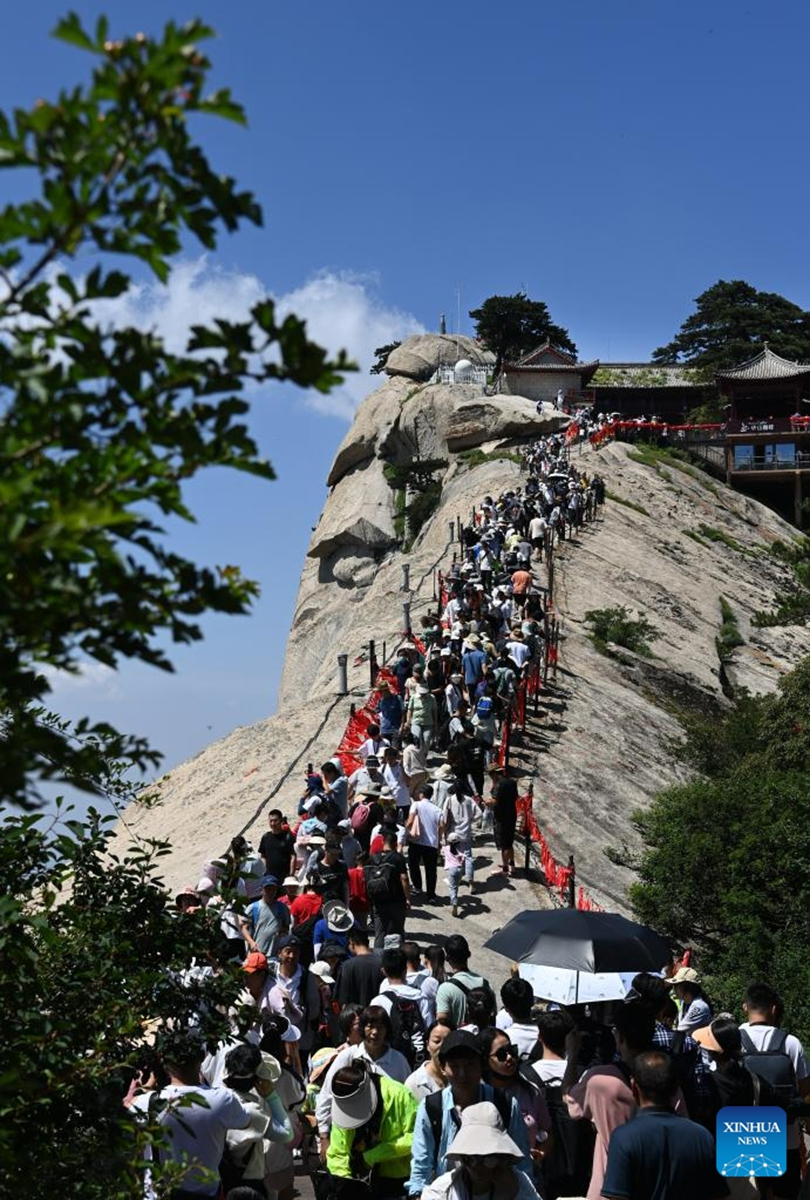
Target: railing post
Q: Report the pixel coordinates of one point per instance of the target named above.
(527, 835)
(406, 616)
(572, 882)
(343, 675)
(459, 529)
(406, 572)
(452, 531)
(372, 662)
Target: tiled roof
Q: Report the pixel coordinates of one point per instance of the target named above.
(765, 365)
(646, 375)
(554, 368)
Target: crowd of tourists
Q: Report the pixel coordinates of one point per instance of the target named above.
(395, 1069)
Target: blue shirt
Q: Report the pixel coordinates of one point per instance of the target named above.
(390, 712)
(661, 1156)
(423, 1151)
(473, 663)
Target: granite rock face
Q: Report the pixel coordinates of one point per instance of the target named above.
(600, 746)
(419, 356)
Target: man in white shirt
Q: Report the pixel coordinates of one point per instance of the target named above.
(374, 744)
(763, 1007)
(517, 997)
(195, 1129)
(395, 965)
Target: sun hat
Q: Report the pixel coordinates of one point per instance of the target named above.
(205, 885)
(353, 1107)
(188, 890)
(269, 1068)
(684, 975)
(320, 1062)
(315, 839)
(269, 881)
(281, 1025)
(423, 690)
(482, 1131)
(321, 969)
(255, 961)
(445, 771)
(460, 1041)
(722, 1036)
(345, 825)
(339, 917)
(392, 941)
(291, 881)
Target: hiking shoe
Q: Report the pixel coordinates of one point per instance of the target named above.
(454, 910)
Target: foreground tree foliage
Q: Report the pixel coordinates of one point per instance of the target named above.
(725, 864)
(511, 326)
(100, 428)
(732, 322)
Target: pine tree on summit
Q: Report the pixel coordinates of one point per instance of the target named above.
(511, 326)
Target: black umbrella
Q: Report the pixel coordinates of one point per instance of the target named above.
(580, 941)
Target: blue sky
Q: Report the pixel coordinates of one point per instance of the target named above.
(614, 159)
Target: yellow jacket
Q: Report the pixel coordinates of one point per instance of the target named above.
(391, 1153)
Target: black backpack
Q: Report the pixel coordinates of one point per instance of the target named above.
(486, 987)
(774, 1065)
(567, 1167)
(409, 1035)
(382, 880)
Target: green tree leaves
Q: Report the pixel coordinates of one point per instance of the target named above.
(511, 326)
(732, 322)
(724, 866)
(102, 427)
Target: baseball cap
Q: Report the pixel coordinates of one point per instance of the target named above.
(269, 881)
(460, 1041)
(255, 962)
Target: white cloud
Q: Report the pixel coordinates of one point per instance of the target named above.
(342, 310)
(90, 676)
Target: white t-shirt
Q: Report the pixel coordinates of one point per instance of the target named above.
(395, 780)
(195, 1133)
(550, 1070)
(428, 823)
(761, 1036)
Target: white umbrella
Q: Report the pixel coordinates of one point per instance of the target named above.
(576, 987)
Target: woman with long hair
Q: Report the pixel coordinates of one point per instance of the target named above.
(502, 1070)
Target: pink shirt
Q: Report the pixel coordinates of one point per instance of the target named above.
(603, 1097)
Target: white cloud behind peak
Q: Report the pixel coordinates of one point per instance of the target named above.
(342, 309)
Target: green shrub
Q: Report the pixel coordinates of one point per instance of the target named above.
(729, 636)
(616, 626)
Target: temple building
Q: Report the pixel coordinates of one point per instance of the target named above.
(766, 435)
(548, 373)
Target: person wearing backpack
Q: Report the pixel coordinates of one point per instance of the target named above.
(567, 1165)
(388, 890)
(408, 1008)
(451, 997)
(439, 1116)
(779, 1057)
